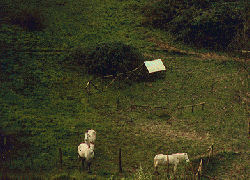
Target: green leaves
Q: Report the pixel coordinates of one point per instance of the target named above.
(108, 58)
(201, 23)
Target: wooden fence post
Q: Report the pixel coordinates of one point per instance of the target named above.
(118, 103)
(249, 128)
(120, 161)
(192, 108)
(60, 157)
(89, 87)
(211, 148)
(168, 166)
(202, 106)
(199, 173)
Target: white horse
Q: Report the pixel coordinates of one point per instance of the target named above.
(161, 159)
(86, 152)
(91, 134)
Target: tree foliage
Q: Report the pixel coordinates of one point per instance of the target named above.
(204, 23)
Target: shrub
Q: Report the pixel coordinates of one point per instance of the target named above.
(201, 23)
(214, 28)
(163, 12)
(29, 19)
(107, 58)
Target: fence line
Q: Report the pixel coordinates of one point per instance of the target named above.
(133, 106)
(193, 105)
(116, 76)
(200, 168)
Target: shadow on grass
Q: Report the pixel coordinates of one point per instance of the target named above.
(211, 166)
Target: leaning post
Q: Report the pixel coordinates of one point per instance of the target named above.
(211, 148)
(199, 173)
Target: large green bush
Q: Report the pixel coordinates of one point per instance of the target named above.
(206, 23)
(107, 58)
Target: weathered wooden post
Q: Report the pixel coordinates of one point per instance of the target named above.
(192, 108)
(60, 157)
(212, 149)
(120, 161)
(211, 152)
(118, 103)
(89, 86)
(199, 173)
(248, 123)
(202, 106)
(168, 175)
(249, 128)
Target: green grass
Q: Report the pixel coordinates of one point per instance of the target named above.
(57, 111)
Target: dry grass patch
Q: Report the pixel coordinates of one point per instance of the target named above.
(149, 129)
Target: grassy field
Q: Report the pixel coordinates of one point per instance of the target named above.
(55, 111)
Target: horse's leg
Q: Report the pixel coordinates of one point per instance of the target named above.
(88, 164)
(156, 166)
(83, 163)
(175, 169)
(80, 163)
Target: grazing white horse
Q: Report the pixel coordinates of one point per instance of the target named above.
(161, 159)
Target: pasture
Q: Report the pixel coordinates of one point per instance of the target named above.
(56, 111)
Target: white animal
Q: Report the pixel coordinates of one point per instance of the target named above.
(161, 159)
(86, 152)
(92, 136)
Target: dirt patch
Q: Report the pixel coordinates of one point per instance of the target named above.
(154, 128)
(166, 47)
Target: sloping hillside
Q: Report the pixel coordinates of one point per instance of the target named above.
(45, 105)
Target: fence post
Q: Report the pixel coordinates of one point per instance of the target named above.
(60, 157)
(118, 103)
(89, 87)
(211, 152)
(212, 148)
(202, 106)
(192, 108)
(120, 161)
(199, 173)
(249, 128)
